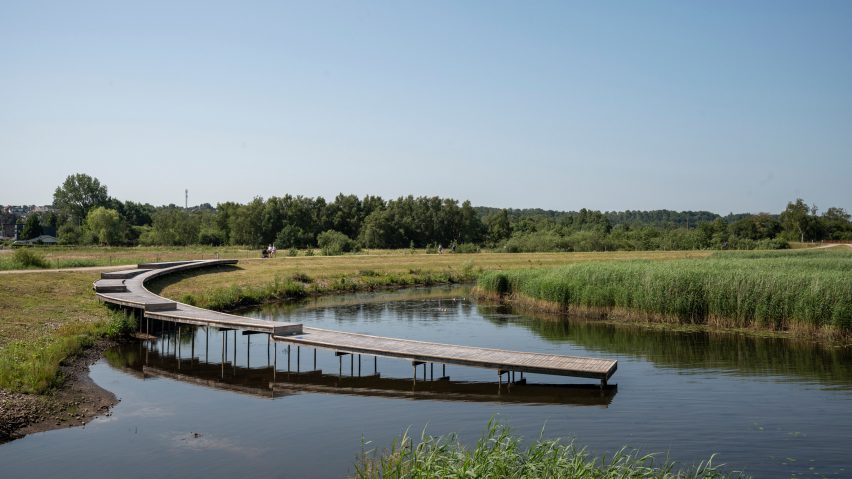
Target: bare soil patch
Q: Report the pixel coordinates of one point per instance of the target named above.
(75, 403)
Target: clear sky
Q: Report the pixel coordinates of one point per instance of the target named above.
(727, 106)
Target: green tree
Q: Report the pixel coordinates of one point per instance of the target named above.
(32, 227)
(498, 226)
(106, 225)
(77, 196)
(334, 243)
(795, 219)
(836, 223)
(245, 225)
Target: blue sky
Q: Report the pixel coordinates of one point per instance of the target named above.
(721, 106)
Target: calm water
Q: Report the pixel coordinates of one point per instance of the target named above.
(772, 408)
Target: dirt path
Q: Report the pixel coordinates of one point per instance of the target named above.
(832, 245)
(68, 270)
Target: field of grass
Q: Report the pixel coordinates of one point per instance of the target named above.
(499, 455)
(259, 280)
(44, 319)
(89, 256)
(807, 292)
(48, 316)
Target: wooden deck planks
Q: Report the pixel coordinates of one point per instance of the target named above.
(453, 354)
(129, 290)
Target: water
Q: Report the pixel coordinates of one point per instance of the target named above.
(771, 407)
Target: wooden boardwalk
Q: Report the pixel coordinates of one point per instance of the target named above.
(131, 292)
(419, 351)
(127, 288)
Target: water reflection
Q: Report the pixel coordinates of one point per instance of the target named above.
(731, 353)
(174, 358)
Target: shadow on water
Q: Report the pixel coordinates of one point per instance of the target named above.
(145, 359)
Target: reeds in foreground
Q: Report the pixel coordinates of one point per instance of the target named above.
(498, 454)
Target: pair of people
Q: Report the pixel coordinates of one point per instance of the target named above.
(268, 252)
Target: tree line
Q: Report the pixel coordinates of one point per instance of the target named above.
(84, 213)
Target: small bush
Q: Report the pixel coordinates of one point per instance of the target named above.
(335, 243)
(26, 258)
(302, 277)
(292, 252)
(121, 325)
(466, 248)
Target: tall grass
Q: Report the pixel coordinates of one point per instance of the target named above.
(498, 455)
(33, 366)
(808, 291)
(300, 285)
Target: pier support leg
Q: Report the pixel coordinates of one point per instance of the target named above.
(315, 359)
(177, 346)
(298, 358)
(359, 365)
(248, 352)
(207, 344)
(340, 355)
(414, 364)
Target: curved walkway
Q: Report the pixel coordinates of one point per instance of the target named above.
(127, 288)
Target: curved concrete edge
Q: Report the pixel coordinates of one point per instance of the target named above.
(131, 292)
(153, 306)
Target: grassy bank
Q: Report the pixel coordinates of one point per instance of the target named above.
(257, 280)
(47, 316)
(805, 292)
(498, 454)
(44, 320)
(43, 257)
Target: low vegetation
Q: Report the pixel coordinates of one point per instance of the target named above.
(807, 292)
(257, 281)
(46, 319)
(498, 454)
(61, 257)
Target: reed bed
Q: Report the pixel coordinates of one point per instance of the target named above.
(497, 454)
(804, 292)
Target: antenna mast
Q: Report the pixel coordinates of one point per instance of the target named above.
(186, 199)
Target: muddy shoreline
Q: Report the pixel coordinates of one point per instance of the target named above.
(75, 403)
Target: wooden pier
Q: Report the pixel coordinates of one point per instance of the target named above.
(127, 288)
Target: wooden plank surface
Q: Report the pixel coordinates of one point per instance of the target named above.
(453, 354)
(156, 307)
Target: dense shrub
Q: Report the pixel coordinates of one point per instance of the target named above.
(27, 258)
(466, 248)
(334, 243)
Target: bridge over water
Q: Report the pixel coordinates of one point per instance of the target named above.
(127, 289)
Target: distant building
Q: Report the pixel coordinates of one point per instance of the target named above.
(7, 230)
(40, 240)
